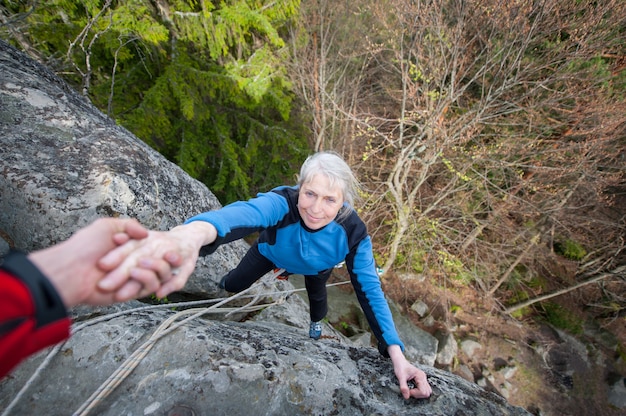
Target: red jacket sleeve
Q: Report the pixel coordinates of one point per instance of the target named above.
(32, 314)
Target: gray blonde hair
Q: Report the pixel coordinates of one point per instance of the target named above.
(336, 170)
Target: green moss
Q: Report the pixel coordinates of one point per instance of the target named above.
(562, 318)
(518, 297)
(570, 249)
(454, 309)
(537, 282)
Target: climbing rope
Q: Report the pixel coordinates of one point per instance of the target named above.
(135, 358)
(168, 326)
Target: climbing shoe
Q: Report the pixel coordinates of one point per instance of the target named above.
(281, 274)
(315, 330)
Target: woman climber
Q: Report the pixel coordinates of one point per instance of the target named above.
(305, 229)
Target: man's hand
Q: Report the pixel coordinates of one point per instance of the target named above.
(73, 265)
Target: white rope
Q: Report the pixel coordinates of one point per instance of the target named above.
(133, 361)
(32, 378)
(165, 328)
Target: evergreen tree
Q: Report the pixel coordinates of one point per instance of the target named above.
(202, 82)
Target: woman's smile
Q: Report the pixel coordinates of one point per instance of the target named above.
(318, 202)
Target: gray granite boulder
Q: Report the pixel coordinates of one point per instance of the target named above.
(232, 368)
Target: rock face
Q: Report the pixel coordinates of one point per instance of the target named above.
(62, 164)
(232, 368)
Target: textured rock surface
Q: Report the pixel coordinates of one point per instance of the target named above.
(227, 368)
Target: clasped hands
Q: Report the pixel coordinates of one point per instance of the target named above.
(160, 263)
(115, 260)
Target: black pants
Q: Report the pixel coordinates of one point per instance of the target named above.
(254, 265)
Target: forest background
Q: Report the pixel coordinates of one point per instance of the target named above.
(489, 135)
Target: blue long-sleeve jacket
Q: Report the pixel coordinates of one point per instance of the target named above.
(286, 241)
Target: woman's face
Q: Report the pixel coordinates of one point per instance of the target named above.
(318, 203)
